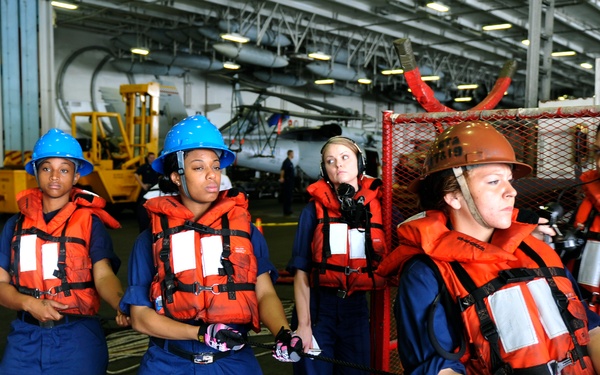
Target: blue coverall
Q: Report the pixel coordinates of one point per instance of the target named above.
(77, 347)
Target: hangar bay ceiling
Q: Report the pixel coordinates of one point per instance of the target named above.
(184, 35)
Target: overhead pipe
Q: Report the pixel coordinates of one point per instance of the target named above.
(269, 38)
(426, 96)
(281, 79)
(251, 55)
(340, 72)
(159, 35)
(128, 65)
(186, 60)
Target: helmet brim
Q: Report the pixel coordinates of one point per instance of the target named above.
(519, 170)
(85, 167)
(226, 159)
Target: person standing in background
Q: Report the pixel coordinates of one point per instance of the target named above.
(56, 264)
(339, 242)
(146, 177)
(287, 179)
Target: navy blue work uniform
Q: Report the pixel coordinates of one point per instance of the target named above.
(340, 325)
(70, 347)
(158, 359)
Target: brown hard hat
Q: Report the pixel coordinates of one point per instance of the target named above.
(469, 143)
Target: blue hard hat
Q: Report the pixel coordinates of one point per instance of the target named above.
(192, 133)
(58, 144)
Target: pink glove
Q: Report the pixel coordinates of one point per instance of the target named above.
(288, 346)
(223, 338)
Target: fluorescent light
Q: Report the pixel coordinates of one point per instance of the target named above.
(470, 86)
(364, 81)
(438, 6)
(430, 78)
(564, 53)
(327, 81)
(500, 26)
(463, 99)
(586, 65)
(231, 65)
(388, 72)
(526, 42)
(318, 55)
(140, 51)
(63, 5)
(235, 37)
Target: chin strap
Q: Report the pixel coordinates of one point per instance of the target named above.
(464, 188)
(181, 172)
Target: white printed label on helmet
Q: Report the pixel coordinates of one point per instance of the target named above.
(513, 322)
(589, 273)
(548, 311)
(338, 238)
(49, 260)
(27, 258)
(357, 243)
(212, 249)
(183, 251)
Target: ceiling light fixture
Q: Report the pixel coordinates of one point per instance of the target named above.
(469, 86)
(235, 37)
(586, 65)
(388, 72)
(564, 53)
(231, 65)
(430, 78)
(327, 81)
(526, 42)
(318, 55)
(365, 81)
(63, 5)
(500, 26)
(140, 51)
(438, 6)
(463, 99)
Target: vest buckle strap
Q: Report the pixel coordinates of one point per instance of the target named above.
(203, 358)
(198, 288)
(556, 367)
(348, 270)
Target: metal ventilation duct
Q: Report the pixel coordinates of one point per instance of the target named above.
(269, 38)
(277, 78)
(126, 65)
(186, 60)
(251, 55)
(340, 72)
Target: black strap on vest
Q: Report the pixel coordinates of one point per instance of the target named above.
(562, 302)
(59, 273)
(170, 284)
(486, 324)
(488, 328)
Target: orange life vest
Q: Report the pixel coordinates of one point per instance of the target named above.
(514, 275)
(66, 237)
(587, 220)
(214, 286)
(341, 270)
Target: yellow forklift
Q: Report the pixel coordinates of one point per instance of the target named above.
(114, 166)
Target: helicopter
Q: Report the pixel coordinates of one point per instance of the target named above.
(261, 136)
